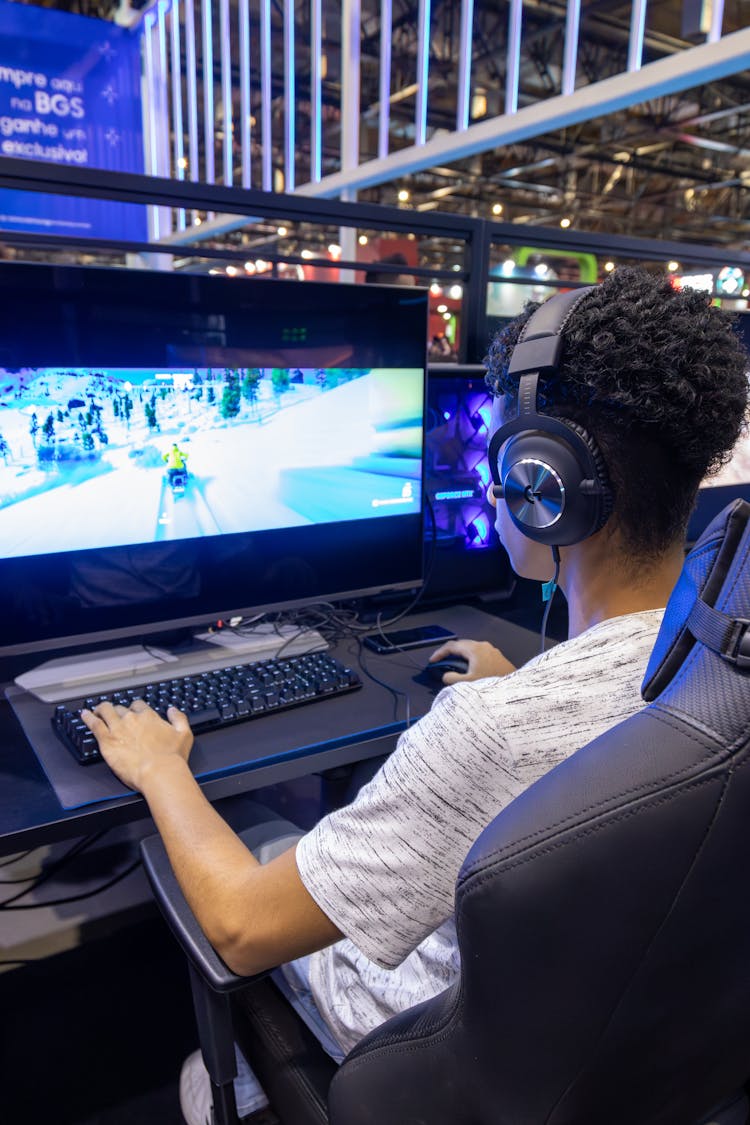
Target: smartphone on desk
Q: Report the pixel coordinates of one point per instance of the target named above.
(402, 639)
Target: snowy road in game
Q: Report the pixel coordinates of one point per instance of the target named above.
(84, 459)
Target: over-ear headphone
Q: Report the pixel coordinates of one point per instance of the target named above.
(552, 475)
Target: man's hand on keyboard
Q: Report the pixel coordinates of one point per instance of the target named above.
(134, 740)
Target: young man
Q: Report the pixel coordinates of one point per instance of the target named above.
(658, 379)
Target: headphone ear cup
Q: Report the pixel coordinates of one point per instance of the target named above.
(541, 473)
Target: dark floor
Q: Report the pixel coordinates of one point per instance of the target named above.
(96, 1036)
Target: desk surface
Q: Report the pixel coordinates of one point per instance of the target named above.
(30, 813)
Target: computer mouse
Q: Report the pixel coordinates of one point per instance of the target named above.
(432, 674)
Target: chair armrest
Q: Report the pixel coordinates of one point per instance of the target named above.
(183, 923)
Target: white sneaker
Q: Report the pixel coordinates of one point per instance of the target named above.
(195, 1091)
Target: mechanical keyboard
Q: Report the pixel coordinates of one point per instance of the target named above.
(217, 698)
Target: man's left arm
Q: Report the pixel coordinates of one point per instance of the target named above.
(255, 915)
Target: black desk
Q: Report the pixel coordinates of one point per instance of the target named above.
(30, 813)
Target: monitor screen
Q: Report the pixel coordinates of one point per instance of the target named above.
(174, 448)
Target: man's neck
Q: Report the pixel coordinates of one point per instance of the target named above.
(600, 583)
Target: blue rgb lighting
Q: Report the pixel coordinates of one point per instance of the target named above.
(457, 469)
(478, 531)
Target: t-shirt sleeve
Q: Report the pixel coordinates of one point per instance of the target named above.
(384, 868)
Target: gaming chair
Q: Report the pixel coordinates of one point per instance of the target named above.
(603, 920)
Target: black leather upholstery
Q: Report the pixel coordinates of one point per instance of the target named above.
(604, 924)
(603, 919)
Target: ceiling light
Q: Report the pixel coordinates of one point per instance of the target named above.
(232, 271)
(250, 267)
(334, 249)
(306, 254)
(197, 221)
(446, 316)
(455, 292)
(281, 231)
(565, 223)
(442, 308)
(456, 267)
(609, 266)
(182, 162)
(403, 195)
(479, 105)
(497, 208)
(362, 240)
(507, 267)
(436, 289)
(672, 266)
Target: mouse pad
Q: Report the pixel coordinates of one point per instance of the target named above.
(322, 725)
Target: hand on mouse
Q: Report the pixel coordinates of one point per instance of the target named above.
(484, 660)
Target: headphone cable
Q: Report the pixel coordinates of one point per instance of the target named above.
(548, 592)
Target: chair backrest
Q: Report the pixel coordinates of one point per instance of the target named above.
(603, 917)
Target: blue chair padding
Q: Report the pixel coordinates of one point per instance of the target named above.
(702, 575)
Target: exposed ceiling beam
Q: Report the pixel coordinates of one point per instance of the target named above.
(670, 75)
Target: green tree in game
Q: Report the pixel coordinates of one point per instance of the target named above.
(33, 427)
(230, 398)
(250, 384)
(87, 441)
(279, 381)
(48, 429)
(210, 395)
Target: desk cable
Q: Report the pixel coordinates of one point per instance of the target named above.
(36, 881)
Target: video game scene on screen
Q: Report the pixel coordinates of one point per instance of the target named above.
(180, 454)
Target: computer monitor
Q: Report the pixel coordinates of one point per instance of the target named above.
(175, 448)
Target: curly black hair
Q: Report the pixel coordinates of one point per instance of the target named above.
(659, 377)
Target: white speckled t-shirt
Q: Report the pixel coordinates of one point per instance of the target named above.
(384, 868)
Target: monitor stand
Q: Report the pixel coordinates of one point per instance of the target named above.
(70, 675)
(120, 668)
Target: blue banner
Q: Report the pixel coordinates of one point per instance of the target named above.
(69, 94)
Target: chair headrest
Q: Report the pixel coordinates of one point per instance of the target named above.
(707, 603)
